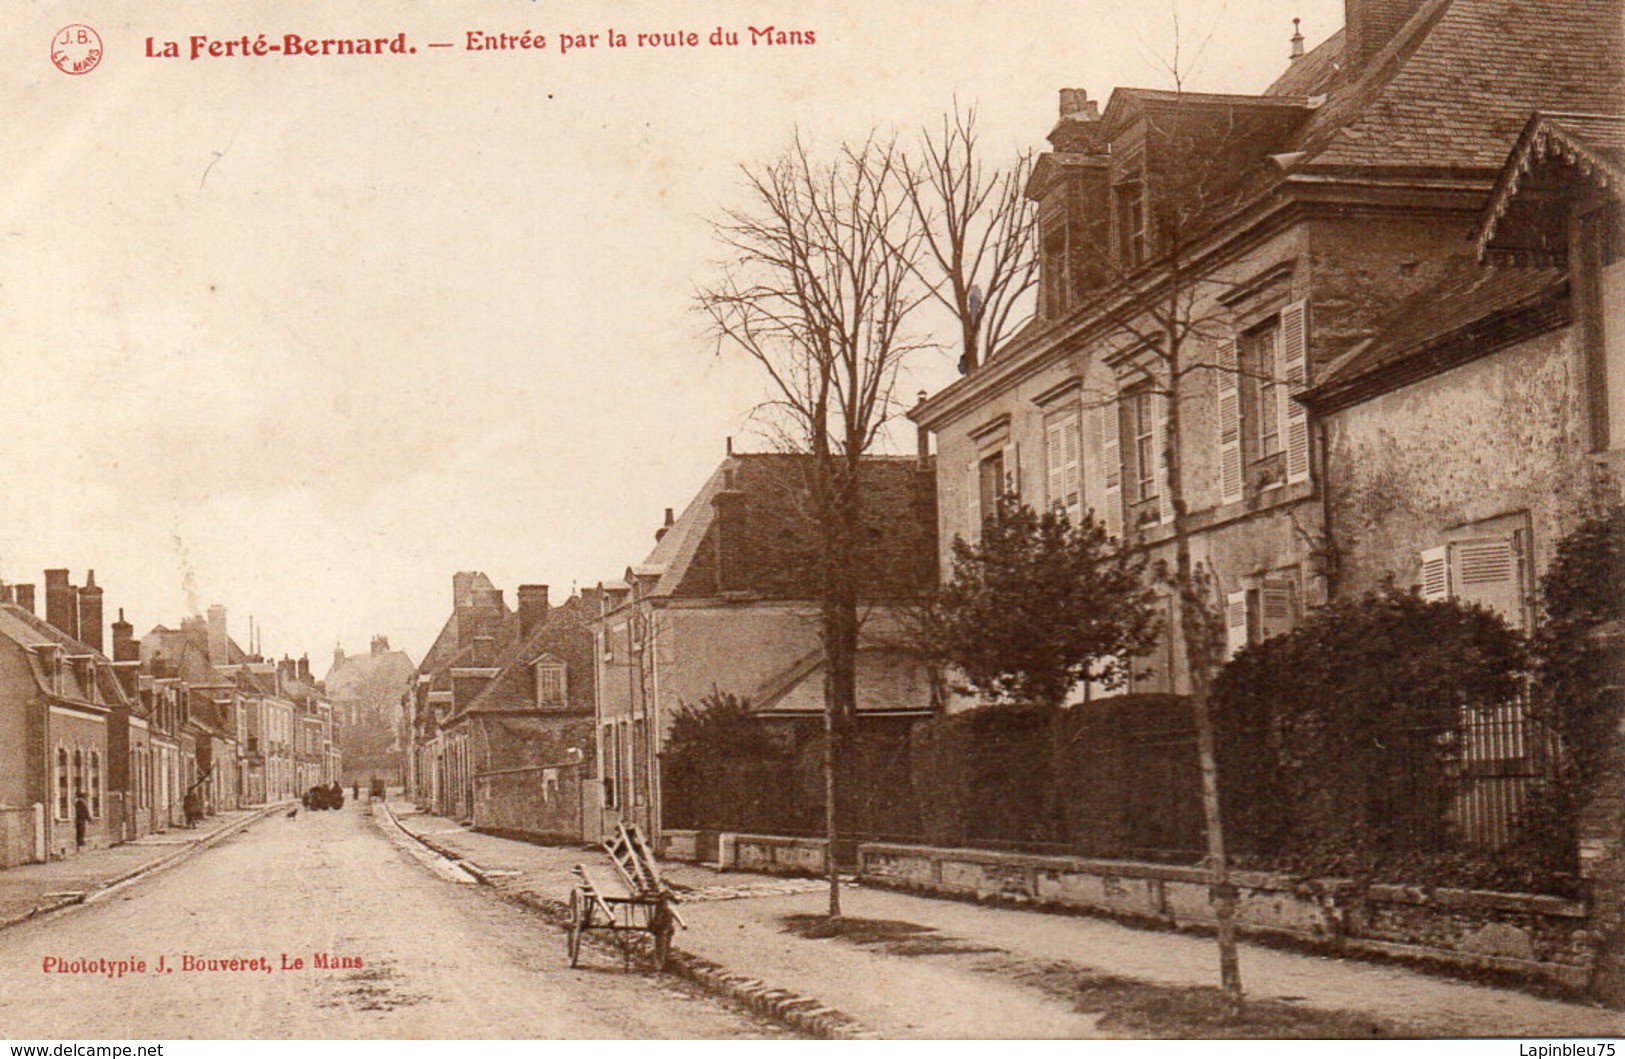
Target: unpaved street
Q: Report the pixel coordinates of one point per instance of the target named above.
(438, 959)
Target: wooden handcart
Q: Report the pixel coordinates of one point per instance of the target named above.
(632, 898)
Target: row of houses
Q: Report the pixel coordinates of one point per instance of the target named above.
(105, 739)
(1365, 327)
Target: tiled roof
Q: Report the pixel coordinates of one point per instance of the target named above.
(1454, 309)
(26, 629)
(565, 636)
(1457, 83)
(898, 535)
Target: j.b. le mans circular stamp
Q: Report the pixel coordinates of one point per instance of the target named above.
(76, 49)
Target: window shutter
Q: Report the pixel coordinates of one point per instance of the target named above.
(1486, 571)
(1436, 574)
(1276, 607)
(1012, 471)
(1111, 462)
(1229, 387)
(973, 500)
(1072, 469)
(1294, 360)
(1055, 464)
(1159, 442)
(1235, 622)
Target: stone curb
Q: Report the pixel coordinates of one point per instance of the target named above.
(802, 1014)
(106, 887)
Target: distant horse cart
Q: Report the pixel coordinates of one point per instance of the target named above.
(631, 898)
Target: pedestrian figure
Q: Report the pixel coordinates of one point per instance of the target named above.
(336, 795)
(355, 792)
(81, 818)
(192, 806)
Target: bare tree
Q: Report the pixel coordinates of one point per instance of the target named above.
(978, 257)
(816, 290)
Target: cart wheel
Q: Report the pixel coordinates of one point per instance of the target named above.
(578, 915)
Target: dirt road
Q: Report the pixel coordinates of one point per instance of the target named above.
(383, 949)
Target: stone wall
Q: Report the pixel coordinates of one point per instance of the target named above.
(1537, 938)
(541, 802)
(773, 854)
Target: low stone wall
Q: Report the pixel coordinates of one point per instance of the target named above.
(773, 854)
(1533, 937)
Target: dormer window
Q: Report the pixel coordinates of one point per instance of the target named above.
(552, 688)
(1129, 196)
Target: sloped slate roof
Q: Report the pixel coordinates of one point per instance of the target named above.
(1460, 307)
(1457, 83)
(564, 636)
(897, 540)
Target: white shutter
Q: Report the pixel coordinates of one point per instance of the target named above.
(1294, 360)
(1055, 465)
(1235, 622)
(1111, 462)
(1277, 608)
(973, 500)
(1436, 574)
(1229, 389)
(1485, 571)
(1072, 469)
(1011, 485)
(1159, 458)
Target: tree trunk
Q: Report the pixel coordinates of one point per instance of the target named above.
(1200, 664)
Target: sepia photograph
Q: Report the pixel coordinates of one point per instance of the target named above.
(748, 520)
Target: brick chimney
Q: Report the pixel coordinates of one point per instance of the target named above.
(303, 669)
(61, 602)
(665, 527)
(482, 617)
(483, 651)
(90, 612)
(380, 645)
(126, 648)
(25, 597)
(1368, 25)
(533, 607)
(733, 541)
(219, 654)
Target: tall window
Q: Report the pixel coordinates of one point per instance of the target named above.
(78, 773)
(1063, 465)
(64, 800)
(1261, 382)
(1142, 427)
(1131, 234)
(612, 768)
(1263, 431)
(96, 784)
(990, 483)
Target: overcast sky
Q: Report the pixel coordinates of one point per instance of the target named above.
(304, 336)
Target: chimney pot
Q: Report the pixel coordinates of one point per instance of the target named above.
(1297, 40)
(90, 612)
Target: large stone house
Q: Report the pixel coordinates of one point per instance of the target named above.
(1266, 259)
(727, 602)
